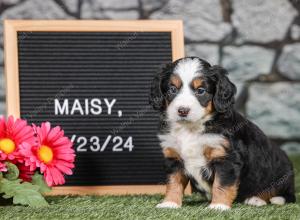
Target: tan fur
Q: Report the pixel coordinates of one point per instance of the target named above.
(223, 194)
(196, 83)
(226, 144)
(209, 108)
(175, 187)
(267, 194)
(211, 153)
(176, 81)
(214, 152)
(171, 153)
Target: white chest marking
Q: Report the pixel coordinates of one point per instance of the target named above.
(189, 144)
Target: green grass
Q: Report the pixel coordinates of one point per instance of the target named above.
(143, 207)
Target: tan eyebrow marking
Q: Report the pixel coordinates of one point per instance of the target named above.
(176, 81)
(196, 83)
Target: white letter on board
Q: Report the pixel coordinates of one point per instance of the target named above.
(64, 109)
(86, 104)
(76, 107)
(95, 106)
(109, 105)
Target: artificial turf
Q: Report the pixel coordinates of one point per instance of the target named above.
(143, 207)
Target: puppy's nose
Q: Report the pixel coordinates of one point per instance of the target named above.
(183, 111)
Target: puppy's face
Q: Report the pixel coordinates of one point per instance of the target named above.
(188, 93)
(190, 90)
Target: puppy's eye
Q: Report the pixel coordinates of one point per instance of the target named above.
(200, 91)
(173, 90)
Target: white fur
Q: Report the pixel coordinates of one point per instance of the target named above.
(187, 70)
(277, 200)
(170, 205)
(219, 206)
(255, 201)
(188, 141)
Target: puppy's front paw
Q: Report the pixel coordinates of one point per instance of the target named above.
(219, 206)
(169, 205)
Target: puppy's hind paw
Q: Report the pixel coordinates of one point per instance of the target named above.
(277, 200)
(255, 201)
(168, 205)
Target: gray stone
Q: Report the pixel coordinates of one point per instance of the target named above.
(291, 148)
(112, 9)
(1, 32)
(240, 90)
(115, 4)
(35, 9)
(71, 4)
(205, 51)
(202, 20)
(1, 56)
(261, 20)
(295, 32)
(2, 86)
(10, 2)
(149, 5)
(2, 93)
(2, 108)
(289, 61)
(247, 62)
(275, 108)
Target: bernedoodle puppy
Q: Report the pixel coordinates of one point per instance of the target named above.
(205, 141)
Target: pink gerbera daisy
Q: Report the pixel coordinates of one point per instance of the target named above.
(2, 167)
(12, 134)
(53, 154)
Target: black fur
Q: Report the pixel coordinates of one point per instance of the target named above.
(173, 165)
(225, 90)
(252, 161)
(157, 94)
(259, 166)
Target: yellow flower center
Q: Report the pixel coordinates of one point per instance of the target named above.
(7, 145)
(45, 154)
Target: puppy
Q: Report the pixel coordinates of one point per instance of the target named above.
(205, 141)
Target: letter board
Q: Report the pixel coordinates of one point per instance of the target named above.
(93, 78)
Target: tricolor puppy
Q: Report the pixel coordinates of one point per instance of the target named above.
(205, 141)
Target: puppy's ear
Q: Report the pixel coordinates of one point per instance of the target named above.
(156, 98)
(225, 90)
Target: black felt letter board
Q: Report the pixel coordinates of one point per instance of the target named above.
(95, 85)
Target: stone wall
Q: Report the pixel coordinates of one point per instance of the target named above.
(258, 41)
